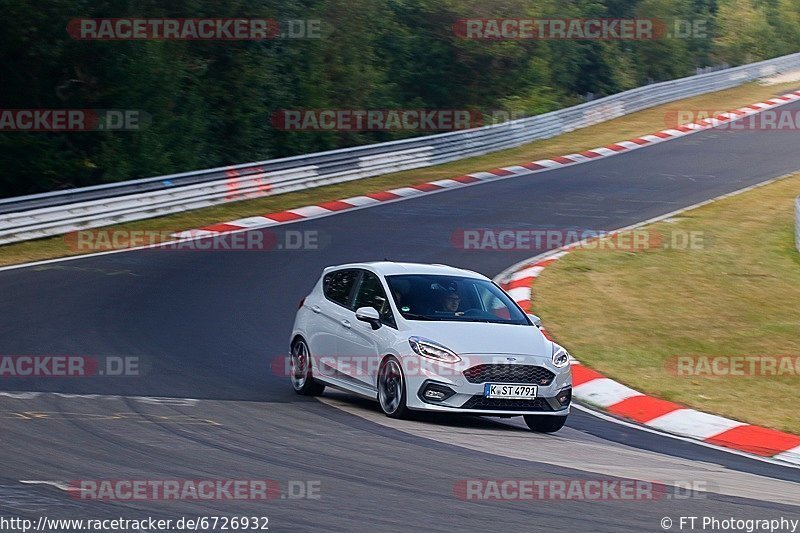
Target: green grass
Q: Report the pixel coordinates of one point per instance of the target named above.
(623, 128)
(626, 314)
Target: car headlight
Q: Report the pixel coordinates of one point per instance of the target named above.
(432, 350)
(560, 356)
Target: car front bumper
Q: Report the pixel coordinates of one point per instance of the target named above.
(460, 395)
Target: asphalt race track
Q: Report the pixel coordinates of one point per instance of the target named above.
(208, 325)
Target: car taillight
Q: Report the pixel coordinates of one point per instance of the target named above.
(302, 301)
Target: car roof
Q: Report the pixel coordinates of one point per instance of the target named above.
(390, 268)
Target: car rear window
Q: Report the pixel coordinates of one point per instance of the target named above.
(338, 286)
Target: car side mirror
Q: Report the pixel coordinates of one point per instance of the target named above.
(536, 320)
(369, 315)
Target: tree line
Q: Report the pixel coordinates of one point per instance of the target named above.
(210, 103)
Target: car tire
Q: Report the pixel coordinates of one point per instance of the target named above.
(545, 424)
(392, 389)
(303, 381)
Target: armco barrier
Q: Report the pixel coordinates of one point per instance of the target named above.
(797, 223)
(53, 213)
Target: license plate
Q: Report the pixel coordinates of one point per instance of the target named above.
(510, 391)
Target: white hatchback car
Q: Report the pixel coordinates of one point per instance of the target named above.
(447, 340)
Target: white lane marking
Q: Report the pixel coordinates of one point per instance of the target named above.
(516, 169)
(245, 224)
(61, 485)
(630, 145)
(549, 163)
(520, 293)
(792, 456)
(484, 175)
(360, 201)
(309, 211)
(253, 222)
(447, 183)
(189, 233)
(604, 392)
(693, 423)
(654, 138)
(152, 400)
(406, 191)
(530, 272)
(188, 402)
(603, 151)
(561, 254)
(20, 395)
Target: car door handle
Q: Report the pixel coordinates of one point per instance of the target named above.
(346, 323)
(316, 309)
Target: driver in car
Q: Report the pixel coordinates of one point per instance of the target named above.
(451, 302)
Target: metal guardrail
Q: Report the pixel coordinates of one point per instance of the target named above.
(797, 223)
(53, 213)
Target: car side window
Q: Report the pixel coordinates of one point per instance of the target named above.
(371, 294)
(338, 286)
(492, 303)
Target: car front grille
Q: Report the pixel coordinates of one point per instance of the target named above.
(501, 404)
(509, 374)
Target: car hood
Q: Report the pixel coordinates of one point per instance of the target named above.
(484, 338)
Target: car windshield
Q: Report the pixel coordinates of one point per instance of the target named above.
(453, 298)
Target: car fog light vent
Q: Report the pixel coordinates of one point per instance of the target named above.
(564, 396)
(434, 394)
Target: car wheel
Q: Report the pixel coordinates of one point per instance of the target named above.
(545, 424)
(300, 372)
(392, 389)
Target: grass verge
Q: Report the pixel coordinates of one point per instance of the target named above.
(623, 128)
(735, 292)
